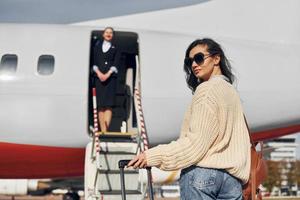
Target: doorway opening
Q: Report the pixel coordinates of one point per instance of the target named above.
(123, 109)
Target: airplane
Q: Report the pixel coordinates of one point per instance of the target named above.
(45, 85)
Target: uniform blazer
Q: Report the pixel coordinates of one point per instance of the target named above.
(105, 60)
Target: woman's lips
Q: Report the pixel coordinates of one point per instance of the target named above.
(197, 71)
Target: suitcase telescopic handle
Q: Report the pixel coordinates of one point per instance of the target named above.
(122, 165)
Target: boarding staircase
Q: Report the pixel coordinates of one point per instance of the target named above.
(103, 171)
(102, 175)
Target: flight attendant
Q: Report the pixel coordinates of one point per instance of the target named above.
(213, 149)
(106, 59)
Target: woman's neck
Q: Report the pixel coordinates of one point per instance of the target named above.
(107, 41)
(216, 71)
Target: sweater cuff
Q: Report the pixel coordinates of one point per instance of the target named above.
(154, 156)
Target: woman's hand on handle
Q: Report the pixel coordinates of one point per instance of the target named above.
(139, 161)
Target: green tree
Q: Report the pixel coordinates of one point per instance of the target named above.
(291, 173)
(294, 173)
(274, 175)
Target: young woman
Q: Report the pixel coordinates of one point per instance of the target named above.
(106, 59)
(213, 149)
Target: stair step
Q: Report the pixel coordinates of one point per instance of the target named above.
(116, 195)
(117, 139)
(110, 161)
(118, 192)
(118, 134)
(117, 153)
(119, 197)
(107, 181)
(133, 171)
(126, 147)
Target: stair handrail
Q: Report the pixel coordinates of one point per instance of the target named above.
(139, 109)
(142, 131)
(96, 142)
(96, 148)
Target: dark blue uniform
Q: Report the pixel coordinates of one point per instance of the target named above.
(104, 60)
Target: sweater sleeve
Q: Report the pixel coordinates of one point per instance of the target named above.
(185, 123)
(192, 147)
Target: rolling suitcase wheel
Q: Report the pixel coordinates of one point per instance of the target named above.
(122, 165)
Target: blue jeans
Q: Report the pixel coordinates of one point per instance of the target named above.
(198, 183)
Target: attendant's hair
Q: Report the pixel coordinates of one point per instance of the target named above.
(213, 48)
(108, 27)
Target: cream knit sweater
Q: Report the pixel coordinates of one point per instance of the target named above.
(213, 133)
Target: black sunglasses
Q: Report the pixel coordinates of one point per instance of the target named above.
(198, 58)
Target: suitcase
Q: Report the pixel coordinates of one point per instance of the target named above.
(122, 165)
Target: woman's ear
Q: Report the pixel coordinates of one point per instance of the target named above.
(217, 60)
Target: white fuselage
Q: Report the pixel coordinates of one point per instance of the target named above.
(52, 110)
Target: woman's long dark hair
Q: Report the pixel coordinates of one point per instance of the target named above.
(213, 48)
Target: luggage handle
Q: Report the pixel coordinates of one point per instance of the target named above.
(122, 165)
